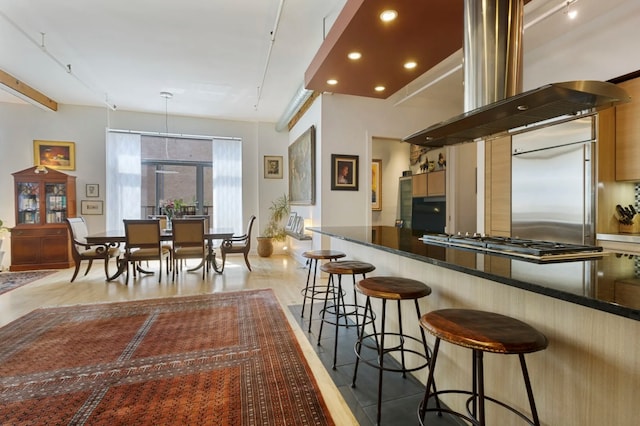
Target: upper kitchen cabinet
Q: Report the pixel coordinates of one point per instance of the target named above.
(628, 134)
(498, 187)
(430, 184)
(43, 200)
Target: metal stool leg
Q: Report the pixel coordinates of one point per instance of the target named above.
(340, 311)
(381, 359)
(330, 289)
(358, 348)
(306, 289)
(430, 380)
(527, 383)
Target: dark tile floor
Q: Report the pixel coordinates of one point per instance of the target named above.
(400, 396)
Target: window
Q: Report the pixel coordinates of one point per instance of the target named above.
(204, 173)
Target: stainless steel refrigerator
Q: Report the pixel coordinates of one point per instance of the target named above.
(553, 187)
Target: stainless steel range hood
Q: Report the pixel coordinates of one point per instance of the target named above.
(557, 100)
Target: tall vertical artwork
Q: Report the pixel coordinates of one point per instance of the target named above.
(302, 163)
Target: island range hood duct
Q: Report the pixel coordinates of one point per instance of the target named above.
(493, 82)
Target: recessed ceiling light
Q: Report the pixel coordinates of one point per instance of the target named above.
(332, 81)
(410, 65)
(354, 55)
(379, 88)
(388, 15)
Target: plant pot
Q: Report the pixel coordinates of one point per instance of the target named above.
(265, 246)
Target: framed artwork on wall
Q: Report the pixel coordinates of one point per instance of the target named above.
(376, 185)
(90, 207)
(302, 173)
(54, 154)
(344, 172)
(291, 222)
(92, 190)
(273, 167)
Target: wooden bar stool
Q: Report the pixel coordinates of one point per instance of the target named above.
(398, 289)
(316, 292)
(339, 309)
(481, 332)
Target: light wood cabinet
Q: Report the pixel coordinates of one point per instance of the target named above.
(628, 134)
(43, 200)
(429, 184)
(435, 184)
(498, 187)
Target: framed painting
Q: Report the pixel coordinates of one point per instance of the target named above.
(376, 185)
(344, 172)
(92, 190)
(55, 155)
(302, 173)
(272, 167)
(291, 221)
(89, 207)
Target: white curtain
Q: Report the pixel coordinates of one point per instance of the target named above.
(227, 184)
(123, 193)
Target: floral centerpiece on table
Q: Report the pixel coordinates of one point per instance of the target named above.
(170, 207)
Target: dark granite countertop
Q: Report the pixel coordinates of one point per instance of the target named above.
(610, 283)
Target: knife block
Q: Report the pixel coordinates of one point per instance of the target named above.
(634, 228)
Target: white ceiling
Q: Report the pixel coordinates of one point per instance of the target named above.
(213, 54)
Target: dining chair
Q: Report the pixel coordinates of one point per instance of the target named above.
(188, 238)
(238, 244)
(164, 224)
(80, 250)
(142, 242)
(161, 217)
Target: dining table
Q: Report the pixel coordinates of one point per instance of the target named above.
(114, 238)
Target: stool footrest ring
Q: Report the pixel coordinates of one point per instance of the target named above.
(468, 416)
(319, 292)
(356, 311)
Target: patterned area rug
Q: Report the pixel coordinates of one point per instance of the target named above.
(221, 359)
(13, 280)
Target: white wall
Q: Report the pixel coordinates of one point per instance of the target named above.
(395, 159)
(349, 124)
(86, 126)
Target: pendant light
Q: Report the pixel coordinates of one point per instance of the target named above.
(166, 96)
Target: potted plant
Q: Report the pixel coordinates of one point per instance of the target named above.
(274, 231)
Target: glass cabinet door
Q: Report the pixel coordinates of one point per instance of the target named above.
(56, 202)
(28, 203)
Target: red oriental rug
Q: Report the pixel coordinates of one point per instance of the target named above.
(220, 359)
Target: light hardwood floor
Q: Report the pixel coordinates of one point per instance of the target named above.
(280, 273)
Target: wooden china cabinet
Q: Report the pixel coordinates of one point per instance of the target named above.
(44, 198)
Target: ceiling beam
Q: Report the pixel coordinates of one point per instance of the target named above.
(23, 91)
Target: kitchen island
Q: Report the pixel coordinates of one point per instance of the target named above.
(588, 309)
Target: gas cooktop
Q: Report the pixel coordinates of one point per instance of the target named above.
(537, 249)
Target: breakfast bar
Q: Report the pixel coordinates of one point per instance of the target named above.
(589, 308)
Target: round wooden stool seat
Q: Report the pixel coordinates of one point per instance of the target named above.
(394, 288)
(336, 312)
(484, 331)
(312, 291)
(323, 254)
(382, 348)
(481, 332)
(347, 267)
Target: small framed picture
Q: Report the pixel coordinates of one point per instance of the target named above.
(344, 172)
(299, 225)
(90, 207)
(376, 185)
(291, 221)
(273, 167)
(93, 190)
